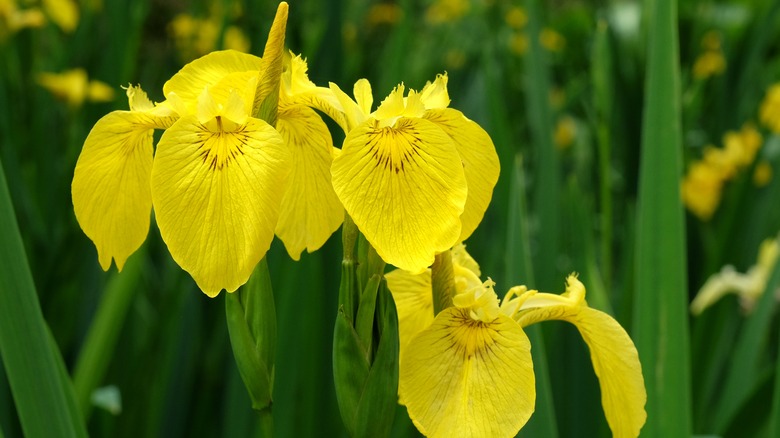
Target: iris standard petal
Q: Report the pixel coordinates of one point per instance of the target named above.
(404, 187)
(110, 189)
(208, 70)
(466, 378)
(310, 210)
(216, 198)
(480, 163)
(413, 302)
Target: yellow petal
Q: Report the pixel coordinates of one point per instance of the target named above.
(404, 187)
(216, 198)
(615, 361)
(480, 163)
(435, 95)
(310, 212)
(110, 187)
(208, 70)
(413, 302)
(465, 378)
(461, 257)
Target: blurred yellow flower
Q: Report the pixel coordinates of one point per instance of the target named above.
(447, 11)
(13, 19)
(711, 40)
(769, 113)
(701, 190)
(518, 43)
(468, 370)
(703, 184)
(74, 87)
(762, 175)
(516, 17)
(235, 39)
(552, 40)
(748, 286)
(64, 13)
(709, 63)
(455, 59)
(565, 132)
(384, 13)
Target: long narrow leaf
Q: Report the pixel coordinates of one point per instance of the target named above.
(660, 317)
(30, 362)
(520, 271)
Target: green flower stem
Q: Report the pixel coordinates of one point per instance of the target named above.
(44, 400)
(96, 354)
(442, 282)
(251, 319)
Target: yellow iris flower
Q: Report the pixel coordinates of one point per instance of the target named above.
(415, 176)
(468, 370)
(218, 181)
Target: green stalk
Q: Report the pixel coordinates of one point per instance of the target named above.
(98, 349)
(546, 200)
(601, 63)
(520, 271)
(41, 395)
(660, 306)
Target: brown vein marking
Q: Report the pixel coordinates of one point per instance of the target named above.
(394, 148)
(219, 149)
(468, 337)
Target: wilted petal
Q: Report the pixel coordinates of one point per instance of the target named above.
(310, 211)
(404, 187)
(216, 198)
(480, 163)
(466, 378)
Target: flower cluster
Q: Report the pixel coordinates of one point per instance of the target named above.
(415, 175)
(703, 184)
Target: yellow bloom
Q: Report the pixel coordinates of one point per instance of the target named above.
(516, 17)
(415, 176)
(748, 286)
(468, 370)
(446, 11)
(235, 39)
(769, 113)
(763, 174)
(552, 40)
(518, 43)
(13, 19)
(709, 63)
(742, 146)
(73, 87)
(217, 180)
(384, 13)
(701, 190)
(565, 132)
(64, 13)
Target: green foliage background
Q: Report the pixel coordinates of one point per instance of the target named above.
(164, 344)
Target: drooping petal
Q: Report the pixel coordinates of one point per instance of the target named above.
(413, 302)
(614, 356)
(480, 163)
(216, 198)
(110, 187)
(310, 210)
(466, 378)
(208, 70)
(404, 187)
